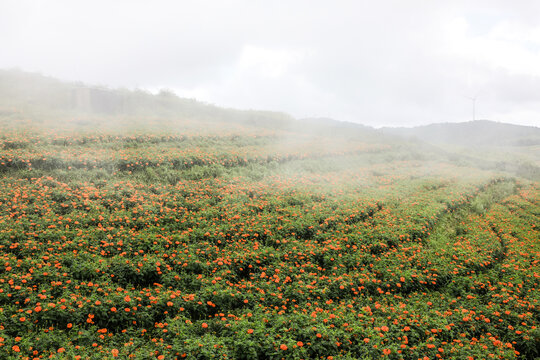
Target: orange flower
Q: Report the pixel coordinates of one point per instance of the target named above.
(299, 344)
(250, 331)
(60, 350)
(204, 325)
(15, 348)
(283, 347)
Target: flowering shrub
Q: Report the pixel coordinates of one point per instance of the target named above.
(185, 246)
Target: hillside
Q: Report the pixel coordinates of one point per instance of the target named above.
(38, 96)
(472, 133)
(51, 101)
(182, 230)
(485, 144)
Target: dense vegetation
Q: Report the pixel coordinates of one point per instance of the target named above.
(210, 239)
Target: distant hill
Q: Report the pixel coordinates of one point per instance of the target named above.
(50, 102)
(32, 93)
(53, 103)
(472, 133)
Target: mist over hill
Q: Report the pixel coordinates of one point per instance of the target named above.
(29, 100)
(472, 133)
(37, 95)
(54, 103)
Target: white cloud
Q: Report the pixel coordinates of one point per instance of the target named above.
(508, 45)
(264, 62)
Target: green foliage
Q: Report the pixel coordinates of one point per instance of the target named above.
(260, 245)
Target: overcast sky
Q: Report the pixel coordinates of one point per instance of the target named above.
(380, 63)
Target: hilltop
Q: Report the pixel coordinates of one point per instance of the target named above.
(41, 98)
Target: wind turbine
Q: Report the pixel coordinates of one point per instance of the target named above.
(473, 99)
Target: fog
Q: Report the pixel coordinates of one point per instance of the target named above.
(384, 63)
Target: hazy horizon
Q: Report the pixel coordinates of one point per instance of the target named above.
(378, 64)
